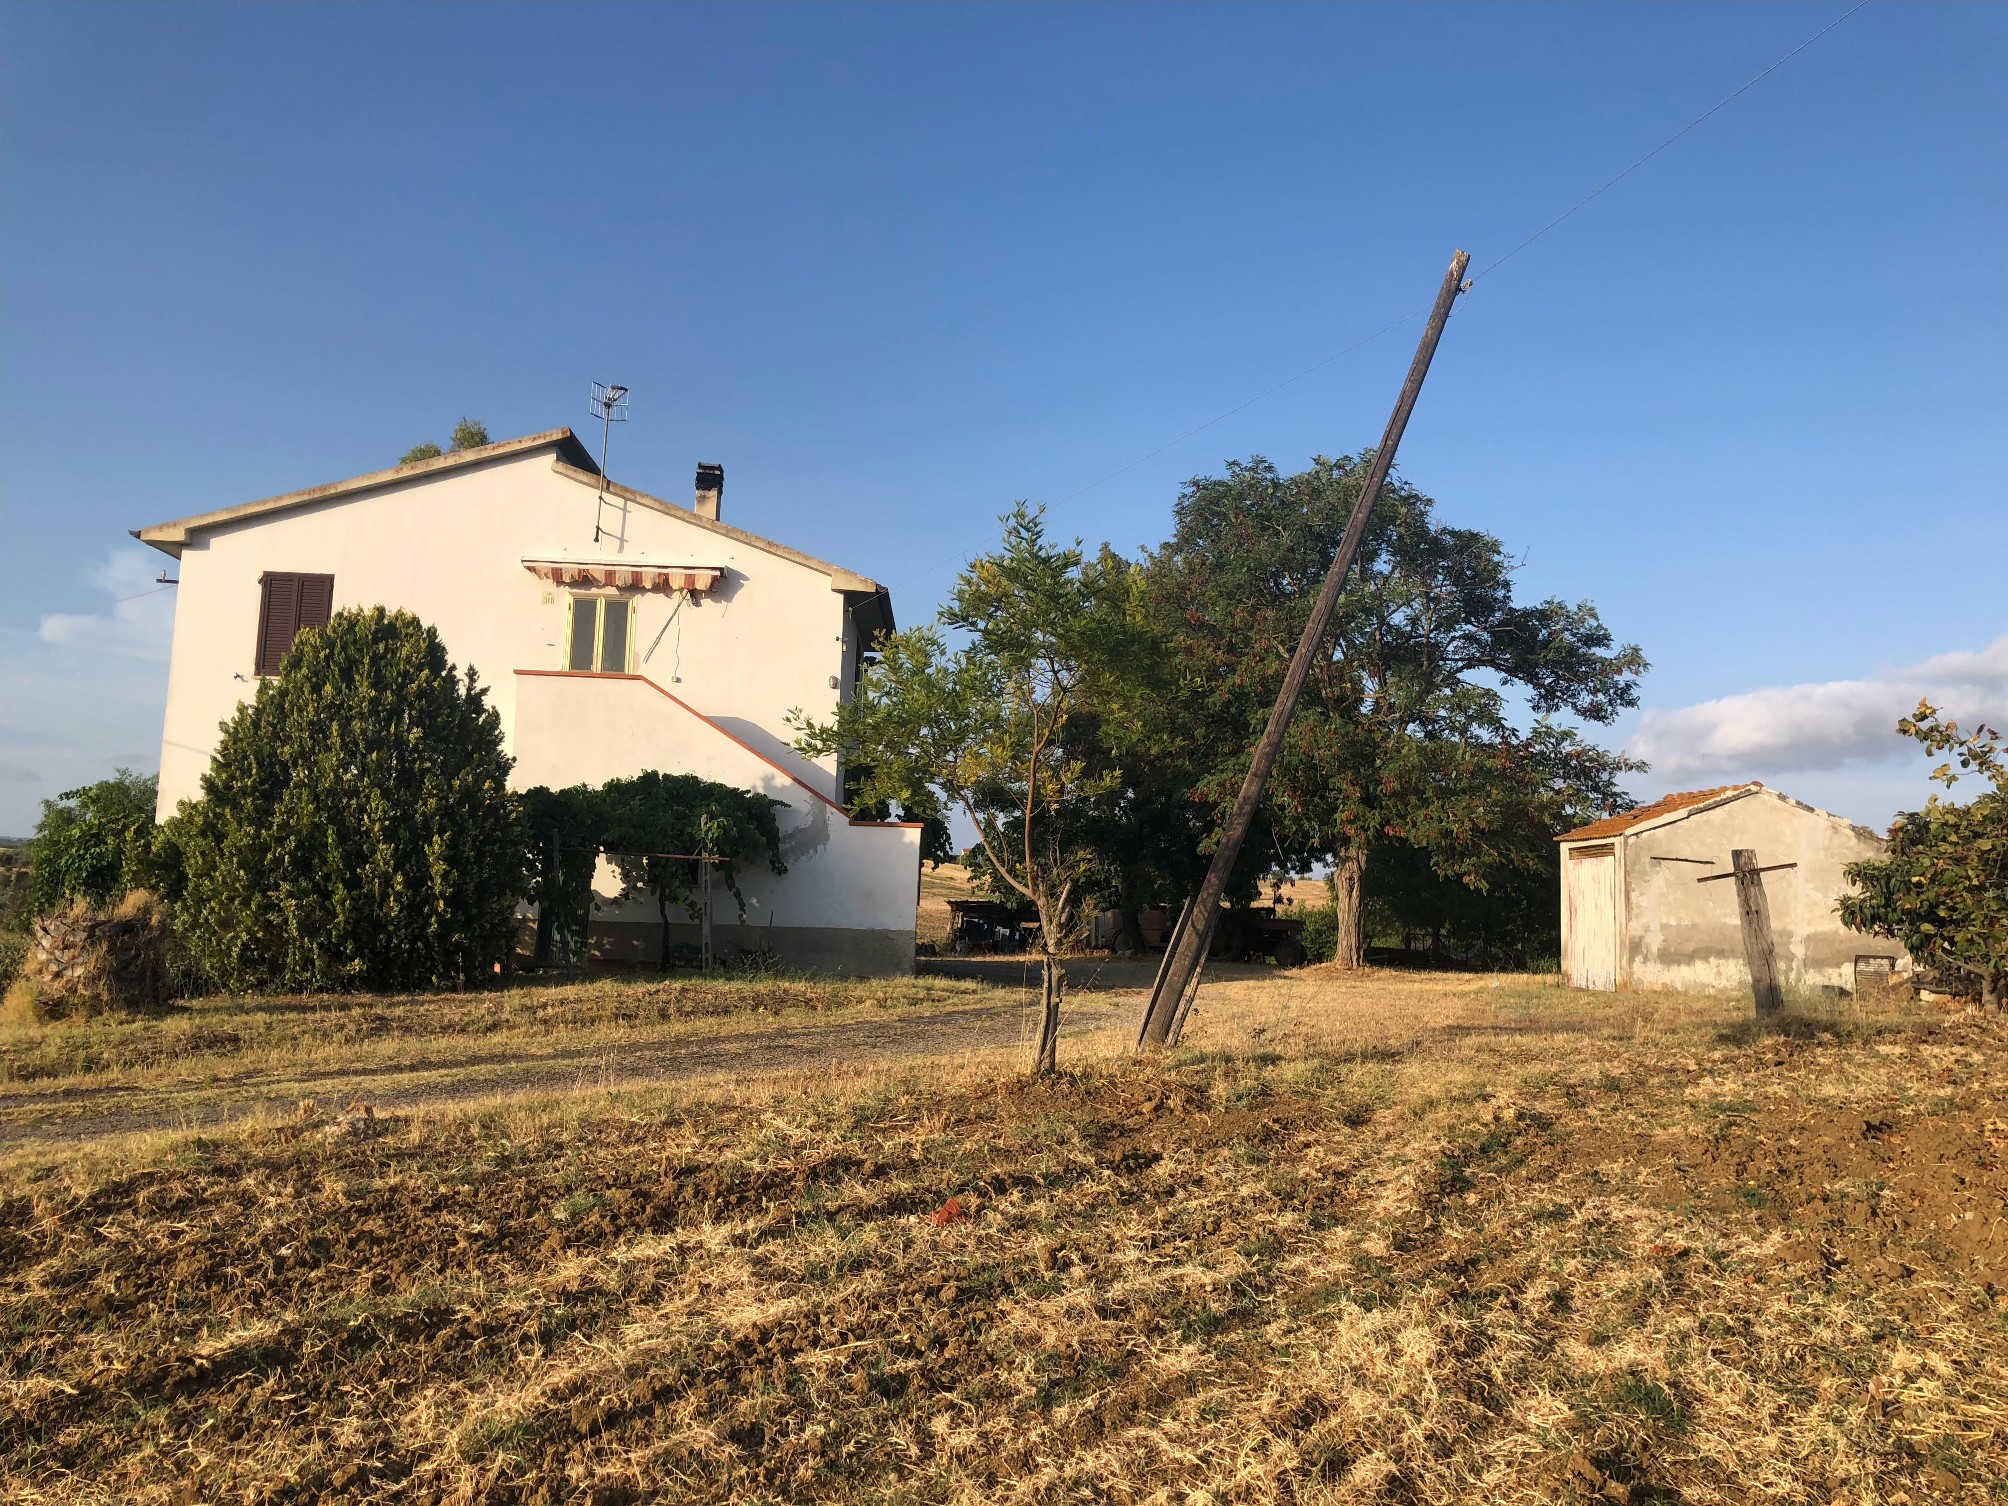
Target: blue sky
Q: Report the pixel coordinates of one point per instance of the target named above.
(895, 267)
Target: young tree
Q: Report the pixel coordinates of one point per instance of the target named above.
(468, 434)
(100, 842)
(984, 728)
(655, 824)
(355, 830)
(1403, 729)
(1942, 887)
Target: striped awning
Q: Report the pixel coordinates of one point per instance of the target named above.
(633, 575)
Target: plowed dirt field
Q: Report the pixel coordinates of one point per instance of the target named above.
(1365, 1239)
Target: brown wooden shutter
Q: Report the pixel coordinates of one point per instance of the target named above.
(291, 601)
(317, 600)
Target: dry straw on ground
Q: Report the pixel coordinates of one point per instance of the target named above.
(83, 964)
(1383, 1239)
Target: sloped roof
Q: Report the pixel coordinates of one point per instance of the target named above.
(169, 537)
(573, 461)
(840, 578)
(1666, 805)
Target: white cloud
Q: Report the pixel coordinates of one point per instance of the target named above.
(138, 620)
(1794, 728)
(81, 693)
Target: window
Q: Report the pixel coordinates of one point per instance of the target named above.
(600, 634)
(289, 603)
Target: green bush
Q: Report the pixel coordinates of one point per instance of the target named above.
(1321, 932)
(13, 952)
(98, 843)
(354, 830)
(637, 823)
(1941, 887)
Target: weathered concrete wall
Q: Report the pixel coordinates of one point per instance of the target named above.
(1679, 933)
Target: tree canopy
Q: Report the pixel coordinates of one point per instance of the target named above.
(1405, 730)
(1941, 889)
(1046, 637)
(655, 826)
(468, 434)
(99, 842)
(354, 830)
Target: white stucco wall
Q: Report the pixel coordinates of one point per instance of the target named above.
(449, 547)
(857, 878)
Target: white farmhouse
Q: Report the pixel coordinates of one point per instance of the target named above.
(616, 633)
(1648, 900)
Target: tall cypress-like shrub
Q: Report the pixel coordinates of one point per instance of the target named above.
(355, 829)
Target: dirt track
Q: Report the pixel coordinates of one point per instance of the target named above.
(74, 1114)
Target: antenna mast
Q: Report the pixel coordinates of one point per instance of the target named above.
(609, 406)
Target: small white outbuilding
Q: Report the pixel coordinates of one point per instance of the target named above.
(1640, 908)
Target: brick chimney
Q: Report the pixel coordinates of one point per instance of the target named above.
(710, 489)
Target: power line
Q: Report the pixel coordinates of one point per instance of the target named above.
(1727, 99)
(1250, 402)
(122, 600)
(1490, 267)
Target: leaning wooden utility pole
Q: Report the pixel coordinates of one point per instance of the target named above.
(1754, 916)
(1186, 954)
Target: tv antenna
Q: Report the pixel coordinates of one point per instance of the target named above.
(609, 406)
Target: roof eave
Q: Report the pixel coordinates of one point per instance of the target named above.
(840, 578)
(170, 537)
(1651, 823)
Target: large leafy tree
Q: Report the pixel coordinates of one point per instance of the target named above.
(989, 727)
(1499, 900)
(1145, 839)
(355, 830)
(657, 827)
(1404, 730)
(1941, 888)
(99, 842)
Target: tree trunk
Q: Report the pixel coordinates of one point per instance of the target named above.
(1052, 981)
(662, 909)
(1129, 930)
(1349, 873)
(1990, 992)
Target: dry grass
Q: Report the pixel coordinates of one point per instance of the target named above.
(1385, 1239)
(939, 885)
(258, 1031)
(223, 1057)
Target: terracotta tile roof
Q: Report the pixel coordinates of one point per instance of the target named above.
(1666, 805)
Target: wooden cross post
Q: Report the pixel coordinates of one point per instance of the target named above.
(1755, 914)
